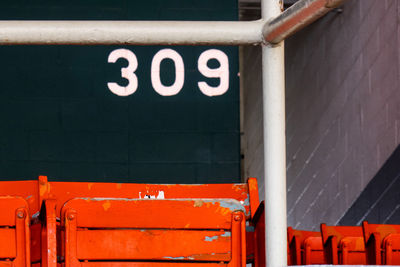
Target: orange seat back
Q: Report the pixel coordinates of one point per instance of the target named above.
(304, 247)
(378, 238)
(391, 248)
(313, 251)
(111, 232)
(343, 244)
(382, 229)
(245, 193)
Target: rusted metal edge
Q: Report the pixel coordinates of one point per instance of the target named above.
(297, 17)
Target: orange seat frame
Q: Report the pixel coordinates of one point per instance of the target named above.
(14, 232)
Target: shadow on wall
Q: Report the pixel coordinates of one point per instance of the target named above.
(380, 200)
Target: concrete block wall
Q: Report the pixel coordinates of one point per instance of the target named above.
(252, 141)
(343, 108)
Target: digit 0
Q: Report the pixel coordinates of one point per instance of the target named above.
(176, 87)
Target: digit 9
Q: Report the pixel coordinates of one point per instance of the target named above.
(222, 72)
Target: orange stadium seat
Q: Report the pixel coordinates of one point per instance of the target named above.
(381, 241)
(391, 248)
(45, 200)
(55, 194)
(14, 232)
(305, 247)
(57, 224)
(154, 232)
(343, 244)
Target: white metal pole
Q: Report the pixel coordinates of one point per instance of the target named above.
(273, 28)
(273, 72)
(131, 32)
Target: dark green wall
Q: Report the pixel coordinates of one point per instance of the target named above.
(58, 118)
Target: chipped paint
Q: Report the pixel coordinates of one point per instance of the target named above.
(211, 238)
(232, 204)
(148, 195)
(236, 187)
(215, 237)
(160, 195)
(106, 205)
(226, 205)
(198, 203)
(226, 234)
(28, 197)
(106, 199)
(174, 258)
(253, 186)
(44, 188)
(36, 215)
(246, 203)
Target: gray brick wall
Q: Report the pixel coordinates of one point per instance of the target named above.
(252, 141)
(343, 111)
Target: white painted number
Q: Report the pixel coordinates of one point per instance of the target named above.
(179, 72)
(127, 73)
(222, 72)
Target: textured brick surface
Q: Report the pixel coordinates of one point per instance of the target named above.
(343, 115)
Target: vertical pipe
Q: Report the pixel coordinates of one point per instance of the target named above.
(273, 72)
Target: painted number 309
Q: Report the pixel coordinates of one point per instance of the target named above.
(221, 72)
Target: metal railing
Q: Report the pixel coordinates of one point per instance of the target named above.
(269, 32)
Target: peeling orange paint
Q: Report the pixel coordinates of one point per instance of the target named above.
(106, 205)
(198, 203)
(253, 186)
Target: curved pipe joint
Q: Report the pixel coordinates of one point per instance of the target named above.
(297, 17)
